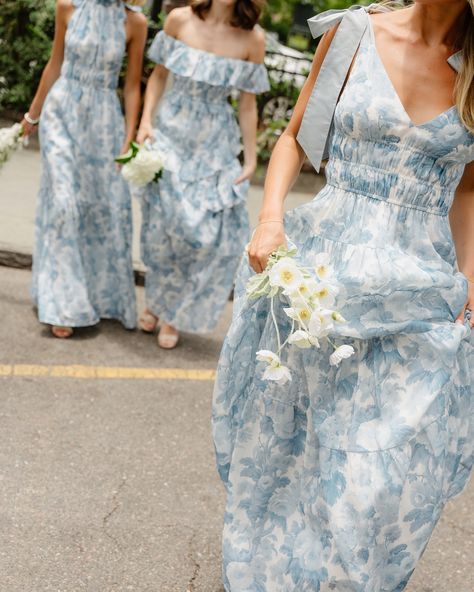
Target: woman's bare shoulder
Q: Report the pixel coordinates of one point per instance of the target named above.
(256, 45)
(176, 19)
(137, 20)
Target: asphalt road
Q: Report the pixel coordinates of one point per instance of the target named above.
(108, 485)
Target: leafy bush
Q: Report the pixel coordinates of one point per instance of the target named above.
(26, 32)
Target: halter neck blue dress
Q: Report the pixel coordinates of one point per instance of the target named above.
(82, 268)
(195, 221)
(336, 480)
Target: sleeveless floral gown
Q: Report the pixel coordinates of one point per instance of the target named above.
(195, 221)
(336, 480)
(82, 269)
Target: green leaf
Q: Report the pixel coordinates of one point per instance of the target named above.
(124, 158)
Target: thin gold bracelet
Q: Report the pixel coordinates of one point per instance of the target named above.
(269, 221)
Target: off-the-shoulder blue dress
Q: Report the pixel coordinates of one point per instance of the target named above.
(82, 266)
(195, 221)
(336, 480)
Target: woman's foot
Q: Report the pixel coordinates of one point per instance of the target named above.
(168, 337)
(148, 322)
(62, 332)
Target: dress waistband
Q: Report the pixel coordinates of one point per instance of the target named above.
(90, 81)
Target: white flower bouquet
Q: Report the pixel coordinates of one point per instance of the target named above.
(11, 138)
(141, 165)
(310, 294)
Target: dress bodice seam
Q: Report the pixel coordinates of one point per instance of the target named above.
(382, 199)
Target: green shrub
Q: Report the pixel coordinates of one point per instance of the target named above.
(26, 32)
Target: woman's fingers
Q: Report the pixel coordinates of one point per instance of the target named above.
(143, 135)
(466, 315)
(27, 128)
(266, 238)
(247, 173)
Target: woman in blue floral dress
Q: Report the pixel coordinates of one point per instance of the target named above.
(336, 479)
(82, 267)
(195, 221)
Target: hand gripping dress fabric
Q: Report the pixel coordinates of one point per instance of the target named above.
(195, 221)
(336, 480)
(82, 260)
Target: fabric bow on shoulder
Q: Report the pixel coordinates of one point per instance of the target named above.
(319, 113)
(316, 124)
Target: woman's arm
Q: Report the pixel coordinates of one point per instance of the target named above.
(461, 218)
(64, 9)
(136, 39)
(285, 165)
(157, 82)
(154, 91)
(248, 121)
(248, 115)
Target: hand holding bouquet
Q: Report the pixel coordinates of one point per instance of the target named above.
(11, 138)
(141, 165)
(310, 293)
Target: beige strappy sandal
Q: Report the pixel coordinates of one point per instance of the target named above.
(168, 337)
(62, 332)
(148, 322)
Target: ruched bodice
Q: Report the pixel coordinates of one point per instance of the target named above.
(416, 166)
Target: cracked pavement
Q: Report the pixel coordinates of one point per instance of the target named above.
(110, 486)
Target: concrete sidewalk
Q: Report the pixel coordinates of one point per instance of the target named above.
(19, 182)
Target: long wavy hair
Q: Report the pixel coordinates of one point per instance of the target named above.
(246, 12)
(464, 87)
(464, 91)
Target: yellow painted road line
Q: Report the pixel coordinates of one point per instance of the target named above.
(93, 372)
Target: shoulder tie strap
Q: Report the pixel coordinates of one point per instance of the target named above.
(455, 61)
(319, 113)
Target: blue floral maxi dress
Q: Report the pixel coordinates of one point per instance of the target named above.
(82, 261)
(336, 480)
(195, 220)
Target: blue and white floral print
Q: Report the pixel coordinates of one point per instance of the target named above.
(82, 262)
(195, 221)
(336, 480)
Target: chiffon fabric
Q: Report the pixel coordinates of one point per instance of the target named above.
(195, 221)
(82, 259)
(336, 480)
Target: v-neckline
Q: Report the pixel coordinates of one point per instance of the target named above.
(444, 113)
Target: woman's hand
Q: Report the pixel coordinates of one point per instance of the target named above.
(469, 306)
(247, 173)
(145, 132)
(268, 236)
(125, 148)
(28, 128)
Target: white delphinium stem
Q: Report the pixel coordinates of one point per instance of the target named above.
(275, 323)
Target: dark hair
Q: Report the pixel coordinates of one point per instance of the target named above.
(246, 12)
